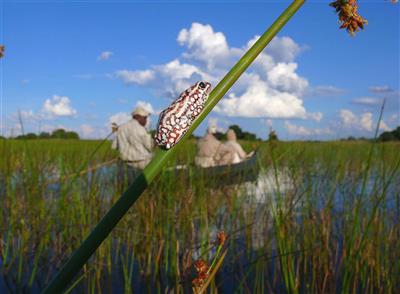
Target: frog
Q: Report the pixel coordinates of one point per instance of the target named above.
(177, 118)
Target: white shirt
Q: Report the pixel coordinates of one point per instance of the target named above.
(238, 153)
(133, 142)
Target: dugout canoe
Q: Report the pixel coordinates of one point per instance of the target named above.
(221, 175)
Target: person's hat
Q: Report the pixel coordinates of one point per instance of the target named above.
(212, 129)
(140, 110)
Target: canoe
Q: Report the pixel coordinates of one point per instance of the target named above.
(221, 175)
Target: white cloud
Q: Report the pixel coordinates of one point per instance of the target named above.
(204, 44)
(367, 101)
(259, 100)
(383, 126)
(85, 131)
(297, 130)
(283, 49)
(380, 89)
(139, 77)
(58, 106)
(216, 123)
(176, 76)
(283, 77)
(306, 132)
(317, 116)
(271, 87)
(119, 118)
(366, 122)
(362, 122)
(105, 55)
(123, 117)
(326, 90)
(26, 115)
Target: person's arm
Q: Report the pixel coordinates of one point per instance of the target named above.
(114, 144)
(240, 151)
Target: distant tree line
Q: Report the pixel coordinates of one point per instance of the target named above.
(56, 134)
(390, 136)
(384, 137)
(240, 134)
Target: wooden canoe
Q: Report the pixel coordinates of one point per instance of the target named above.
(221, 175)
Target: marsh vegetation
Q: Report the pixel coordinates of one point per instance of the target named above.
(322, 217)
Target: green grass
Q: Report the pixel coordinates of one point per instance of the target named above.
(325, 234)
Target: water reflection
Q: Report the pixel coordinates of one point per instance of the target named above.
(268, 185)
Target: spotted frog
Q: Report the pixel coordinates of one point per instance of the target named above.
(179, 116)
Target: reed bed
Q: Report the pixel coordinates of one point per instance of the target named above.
(324, 217)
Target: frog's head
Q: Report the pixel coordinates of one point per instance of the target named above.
(203, 87)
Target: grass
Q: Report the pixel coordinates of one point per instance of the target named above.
(335, 228)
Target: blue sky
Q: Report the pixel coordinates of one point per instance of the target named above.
(82, 65)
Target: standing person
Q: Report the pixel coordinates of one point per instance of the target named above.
(238, 154)
(210, 151)
(134, 144)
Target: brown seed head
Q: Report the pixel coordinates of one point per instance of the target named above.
(201, 266)
(348, 15)
(221, 238)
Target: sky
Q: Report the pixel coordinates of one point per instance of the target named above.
(82, 65)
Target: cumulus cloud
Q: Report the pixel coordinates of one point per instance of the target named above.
(283, 49)
(58, 106)
(284, 78)
(204, 44)
(122, 117)
(119, 118)
(105, 55)
(270, 88)
(362, 122)
(306, 132)
(259, 100)
(139, 77)
(317, 116)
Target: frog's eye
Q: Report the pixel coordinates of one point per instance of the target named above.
(202, 85)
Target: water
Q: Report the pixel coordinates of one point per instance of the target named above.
(252, 241)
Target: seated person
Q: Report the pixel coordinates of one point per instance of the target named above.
(236, 151)
(210, 151)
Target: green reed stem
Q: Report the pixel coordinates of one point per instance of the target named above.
(110, 220)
